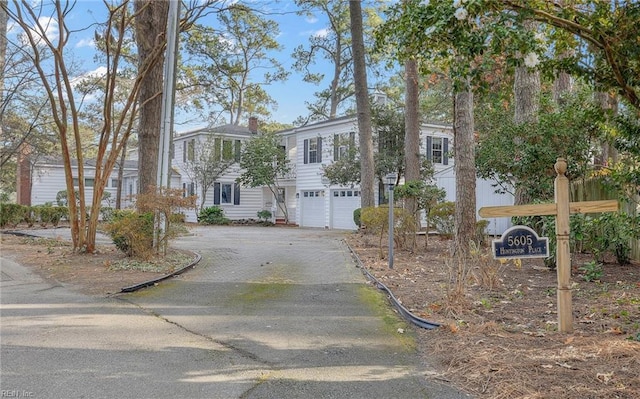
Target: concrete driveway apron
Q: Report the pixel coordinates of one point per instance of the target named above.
(267, 313)
(292, 305)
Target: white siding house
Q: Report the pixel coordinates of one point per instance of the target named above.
(321, 204)
(310, 199)
(236, 201)
(48, 179)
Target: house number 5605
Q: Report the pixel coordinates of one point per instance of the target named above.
(520, 241)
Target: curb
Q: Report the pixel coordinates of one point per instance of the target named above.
(416, 320)
(149, 283)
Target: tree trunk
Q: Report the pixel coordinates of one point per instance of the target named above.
(364, 110)
(411, 131)
(526, 87)
(608, 155)
(123, 158)
(465, 170)
(151, 25)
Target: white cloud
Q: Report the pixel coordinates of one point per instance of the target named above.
(86, 43)
(321, 33)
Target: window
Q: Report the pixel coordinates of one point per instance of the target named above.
(226, 193)
(191, 149)
(311, 194)
(313, 150)
(437, 148)
(87, 182)
(281, 195)
(114, 183)
(237, 150)
(227, 150)
(342, 144)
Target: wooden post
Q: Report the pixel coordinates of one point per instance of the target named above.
(561, 210)
(563, 254)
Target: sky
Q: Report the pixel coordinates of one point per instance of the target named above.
(294, 30)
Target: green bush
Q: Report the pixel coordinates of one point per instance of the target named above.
(48, 214)
(12, 214)
(132, 232)
(212, 215)
(264, 216)
(106, 213)
(611, 233)
(441, 218)
(357, 214)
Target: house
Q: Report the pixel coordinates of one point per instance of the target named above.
(236, 201)
(47, 178)
(308, 197)
(321, 204)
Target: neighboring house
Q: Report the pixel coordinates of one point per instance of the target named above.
(236, 201)
(48, 179)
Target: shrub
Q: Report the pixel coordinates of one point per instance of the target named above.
(441, 218)
(212, 215)
(12, 214)
(357, 214)
(611, 233)
(132, 232)
(48, 214)
(264, 216)
(177, 218)
(106, 213)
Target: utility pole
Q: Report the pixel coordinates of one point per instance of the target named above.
(167, 116)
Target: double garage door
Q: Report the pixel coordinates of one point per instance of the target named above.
(342, 203)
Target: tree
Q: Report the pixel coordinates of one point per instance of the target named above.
(363, 107)
(522, 154)
(65, 110)
(265, 164)
(465, 169)
(607, 29)
(224, 62)
(526, 89)
(333, 45)
(150, 33)
(412, 127)
(209, 161)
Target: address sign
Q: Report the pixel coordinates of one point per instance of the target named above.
(520, 242)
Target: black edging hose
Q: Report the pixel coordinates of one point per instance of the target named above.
(149, 283)
(418, 321)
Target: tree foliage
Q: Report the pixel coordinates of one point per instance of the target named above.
(523, 155)
(223, 62)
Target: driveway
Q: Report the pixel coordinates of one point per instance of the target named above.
(267, 313)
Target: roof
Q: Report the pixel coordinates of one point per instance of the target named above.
(57, 161)
(228, 129)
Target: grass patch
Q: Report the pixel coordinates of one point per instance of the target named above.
(393, 323)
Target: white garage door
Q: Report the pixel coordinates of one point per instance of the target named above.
(312, 213)
(343, 203)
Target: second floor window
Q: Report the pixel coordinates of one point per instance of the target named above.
(313, 150)
(437, 149)
(342, 145)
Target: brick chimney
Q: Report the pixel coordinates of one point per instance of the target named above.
(253, 125)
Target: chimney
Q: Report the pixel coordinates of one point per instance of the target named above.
(253, 125)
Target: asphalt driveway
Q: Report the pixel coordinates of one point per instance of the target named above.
(267, 313)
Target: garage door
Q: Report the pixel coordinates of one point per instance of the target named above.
(343, 203)
(312, 213)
